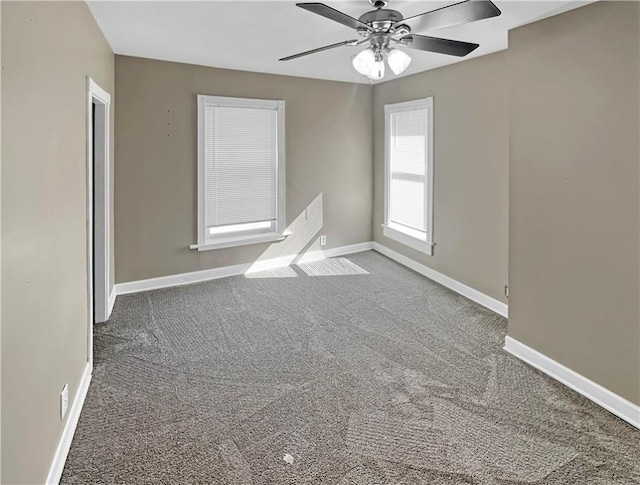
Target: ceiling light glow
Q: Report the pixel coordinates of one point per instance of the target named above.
(370, 62)
(377, 71)
(364, 61)
(398, 61)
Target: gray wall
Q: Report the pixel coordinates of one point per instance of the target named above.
(47, 50)
(574, 192)
(328, 147)
(471, 129)
(0, 241)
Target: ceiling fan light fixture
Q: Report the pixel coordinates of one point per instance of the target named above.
(363, 62)
(382, 27)
(398, 61)
(377, 71)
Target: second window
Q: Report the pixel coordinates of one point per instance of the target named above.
(408, 215)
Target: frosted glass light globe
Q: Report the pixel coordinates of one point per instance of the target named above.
(377, 71)
(364, 61)
(398, 61)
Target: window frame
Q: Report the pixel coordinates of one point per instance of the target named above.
(240, 238)
(395, 231)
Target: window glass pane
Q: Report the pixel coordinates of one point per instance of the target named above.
(252, 226)
(407, 203)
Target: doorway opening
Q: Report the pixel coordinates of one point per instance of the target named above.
(98, 236)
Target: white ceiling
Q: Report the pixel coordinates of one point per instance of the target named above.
(253, 35)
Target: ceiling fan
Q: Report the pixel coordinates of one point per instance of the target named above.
(383, 29)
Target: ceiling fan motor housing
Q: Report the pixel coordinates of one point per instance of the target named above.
(381, 19)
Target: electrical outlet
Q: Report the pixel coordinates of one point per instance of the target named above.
(64, 401)
(323, 240)
(506, 291)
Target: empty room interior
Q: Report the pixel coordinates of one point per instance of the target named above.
(360, 242)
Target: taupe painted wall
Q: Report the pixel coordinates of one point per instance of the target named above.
(0, 242)
(574, 192)
(47, 50)
(471, 130)
(328, 151)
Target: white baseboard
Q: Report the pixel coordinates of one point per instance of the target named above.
(238, 269)
(112, 301)
(332, 253)
(179, 279)
(603, 397)
(466, 291)
(60, 457)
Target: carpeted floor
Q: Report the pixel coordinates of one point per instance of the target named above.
(361, 370)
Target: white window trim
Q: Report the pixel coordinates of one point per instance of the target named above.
(244, 239)
(394, 231)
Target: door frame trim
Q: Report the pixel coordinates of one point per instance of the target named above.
(100, 168)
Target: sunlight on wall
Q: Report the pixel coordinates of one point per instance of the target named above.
(301, 233)
(302, 248)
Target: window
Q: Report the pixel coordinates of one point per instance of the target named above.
(408, 182)
(240, 172)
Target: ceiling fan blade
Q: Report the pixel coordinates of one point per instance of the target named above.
(441, 46)
(333, 14)
(320, 49)
(456, 14)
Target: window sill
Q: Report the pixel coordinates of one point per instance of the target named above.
(425, 247)
(239, 241)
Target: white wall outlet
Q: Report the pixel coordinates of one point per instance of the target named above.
(323, 240)
(64, 401)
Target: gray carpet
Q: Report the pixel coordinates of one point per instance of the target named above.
(361, 370)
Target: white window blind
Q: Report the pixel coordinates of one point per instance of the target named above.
(409, 173)
(241, 160)
(408, 140)
(241, 170)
